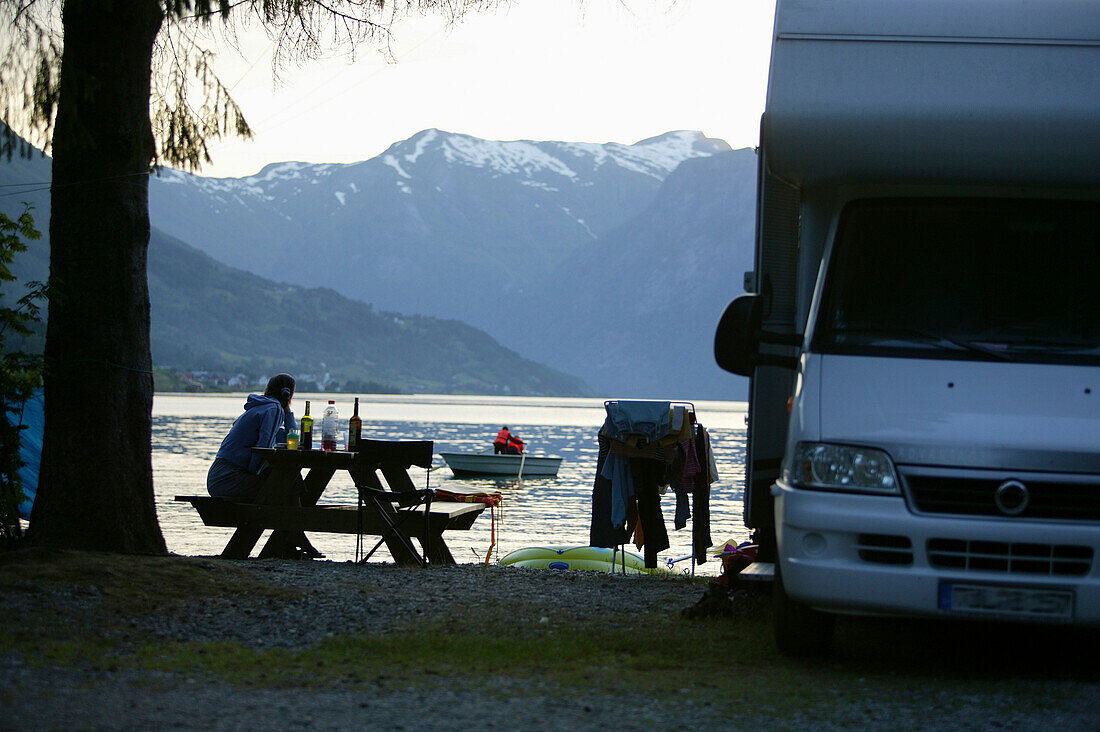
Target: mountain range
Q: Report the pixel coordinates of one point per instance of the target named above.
(608, 262)
(611, 262)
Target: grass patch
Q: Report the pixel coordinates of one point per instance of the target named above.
(727, 663)
(648, 654)
(505, 647)
(130, 584)
(72, 608)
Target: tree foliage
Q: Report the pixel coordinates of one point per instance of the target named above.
(190, 106)
(20, 373)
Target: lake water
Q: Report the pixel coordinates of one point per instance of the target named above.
(187, 430)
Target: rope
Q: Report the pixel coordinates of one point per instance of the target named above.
(103, 361)
(492, 533)
(427, 517)
(39, 186)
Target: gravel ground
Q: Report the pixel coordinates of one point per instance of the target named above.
(322, 599)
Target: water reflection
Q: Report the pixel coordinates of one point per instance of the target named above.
(187, 430)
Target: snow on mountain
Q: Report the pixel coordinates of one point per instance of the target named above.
(503, 158)
(655, 157)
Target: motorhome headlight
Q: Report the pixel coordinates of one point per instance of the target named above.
(843, 468)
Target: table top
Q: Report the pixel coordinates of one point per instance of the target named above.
(372, 453)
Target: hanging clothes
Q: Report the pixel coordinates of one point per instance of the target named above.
(683, 485)
(633, 429)
(602, 531)
(700, 497)
(646, 419)
(648, 474)
(638, 457)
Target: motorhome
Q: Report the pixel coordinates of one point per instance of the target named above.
(922, 329)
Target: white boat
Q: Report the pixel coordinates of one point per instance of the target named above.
(462, 464)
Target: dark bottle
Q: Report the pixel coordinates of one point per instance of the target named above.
(355, 428)
(306, 441)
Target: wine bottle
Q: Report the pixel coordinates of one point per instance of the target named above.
(306, 440)
(355, 429)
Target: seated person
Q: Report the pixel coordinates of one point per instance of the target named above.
(507, 443)
(236, 472)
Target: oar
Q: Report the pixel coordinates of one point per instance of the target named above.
(522, 460)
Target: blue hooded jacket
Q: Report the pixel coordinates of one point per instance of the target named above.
(257, 427)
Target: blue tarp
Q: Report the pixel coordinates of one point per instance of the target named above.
(30, 447)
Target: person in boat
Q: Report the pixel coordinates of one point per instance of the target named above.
(507, 443)
(236, 472)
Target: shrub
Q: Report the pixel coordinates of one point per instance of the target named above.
(20, 372)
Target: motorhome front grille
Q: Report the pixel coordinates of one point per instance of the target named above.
(998, 556)
(1046, 499)
(885, 549)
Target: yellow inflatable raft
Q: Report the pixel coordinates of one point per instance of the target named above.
(591, 558)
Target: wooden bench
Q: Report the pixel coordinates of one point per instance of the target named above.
(336, 519)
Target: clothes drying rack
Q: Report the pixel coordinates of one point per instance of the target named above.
(620, 550)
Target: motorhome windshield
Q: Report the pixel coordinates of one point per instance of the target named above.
(991, 279)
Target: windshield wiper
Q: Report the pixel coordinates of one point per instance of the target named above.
(1083, 347)
(934, 339)
(1038, 337)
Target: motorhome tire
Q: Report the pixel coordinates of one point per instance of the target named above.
(800, 630)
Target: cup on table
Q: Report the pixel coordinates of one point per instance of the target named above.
(291, 440)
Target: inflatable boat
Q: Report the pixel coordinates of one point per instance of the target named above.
(590, 558)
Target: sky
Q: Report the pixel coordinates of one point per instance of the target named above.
(585, 71)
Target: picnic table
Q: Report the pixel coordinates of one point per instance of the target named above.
(288, 503)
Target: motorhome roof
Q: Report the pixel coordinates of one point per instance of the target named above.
(966, 91)
(1061, 20)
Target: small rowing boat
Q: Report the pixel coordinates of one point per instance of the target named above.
(464, 464)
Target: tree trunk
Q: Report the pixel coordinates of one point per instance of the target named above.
(96, 481)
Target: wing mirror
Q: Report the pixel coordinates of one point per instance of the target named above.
(739, 335)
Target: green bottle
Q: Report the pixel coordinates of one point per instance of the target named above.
(306, 440)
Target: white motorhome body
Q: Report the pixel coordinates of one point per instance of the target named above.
(924, 429)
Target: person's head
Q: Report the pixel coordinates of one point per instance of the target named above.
(281, 386)
(505, 428)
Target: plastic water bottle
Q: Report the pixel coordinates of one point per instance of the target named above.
(330, 425)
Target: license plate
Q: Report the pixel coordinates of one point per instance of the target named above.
(1006, 602)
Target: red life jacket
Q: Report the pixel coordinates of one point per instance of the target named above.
(503, 437)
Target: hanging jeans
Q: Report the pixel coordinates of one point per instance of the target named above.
(700, 499)
(648, 474)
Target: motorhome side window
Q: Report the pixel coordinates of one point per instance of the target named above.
(990, 279)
